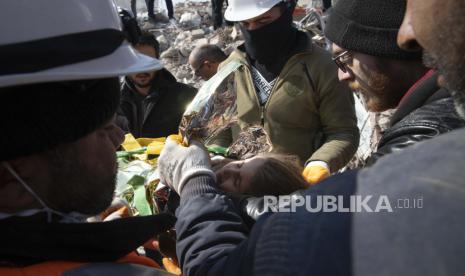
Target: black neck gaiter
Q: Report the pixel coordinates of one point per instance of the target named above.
(269, 45)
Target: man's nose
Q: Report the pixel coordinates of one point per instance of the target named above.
(344, 76)
(253, 26)
(406, 38)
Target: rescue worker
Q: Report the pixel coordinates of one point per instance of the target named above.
(290, 87)
(205, 59)
(60, 89)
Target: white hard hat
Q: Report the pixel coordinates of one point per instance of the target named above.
(56, 40)
(240, 10)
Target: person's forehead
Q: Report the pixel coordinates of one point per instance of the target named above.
(146, 49)
(191, 61)
(273, 12)
(254, 163)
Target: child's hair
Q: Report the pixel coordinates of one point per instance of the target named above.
(280, 174)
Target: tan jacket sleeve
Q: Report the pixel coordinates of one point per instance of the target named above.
(337, 114)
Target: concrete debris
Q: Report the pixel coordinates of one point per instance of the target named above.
(194, 27)
(201, 41)
(196, 34)
(185, 50)
(234, 34)
(170, 53)
(190, 19)
(164, 44)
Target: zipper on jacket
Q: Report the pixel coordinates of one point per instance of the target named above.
(262, 115)
(261, 107)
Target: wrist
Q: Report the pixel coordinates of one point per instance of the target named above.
(194, 172)
(198, 185)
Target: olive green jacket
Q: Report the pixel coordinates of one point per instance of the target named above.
(309, 112)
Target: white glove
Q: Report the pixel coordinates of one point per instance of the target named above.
(177, 163)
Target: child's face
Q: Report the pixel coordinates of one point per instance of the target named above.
(235, 177)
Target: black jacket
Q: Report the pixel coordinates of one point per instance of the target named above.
(425, 113)
(158, 114)
(31, 240)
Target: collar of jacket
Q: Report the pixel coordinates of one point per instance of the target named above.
(30, 240)
(424, 91)
(162, 79)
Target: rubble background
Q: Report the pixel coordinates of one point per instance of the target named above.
(193, 26)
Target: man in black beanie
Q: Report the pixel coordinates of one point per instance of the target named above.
(371, 62)
(59, 87)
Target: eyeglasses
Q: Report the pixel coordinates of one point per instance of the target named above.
(342, 59)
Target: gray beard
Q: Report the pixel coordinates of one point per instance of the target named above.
(454, 82)
(459, 102)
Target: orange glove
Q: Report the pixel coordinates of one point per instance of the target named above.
(316, 171)
(171, 266)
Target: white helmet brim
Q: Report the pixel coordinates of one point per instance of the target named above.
(65, 40)
(241, 10)
(123, 61)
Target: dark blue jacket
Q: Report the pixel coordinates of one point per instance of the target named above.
(426, 240)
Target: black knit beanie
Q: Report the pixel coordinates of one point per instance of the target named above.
(37, 117)
(369, 27)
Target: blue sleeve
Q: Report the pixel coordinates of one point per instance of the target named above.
(214, 240)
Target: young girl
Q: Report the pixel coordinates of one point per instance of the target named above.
(264, 174)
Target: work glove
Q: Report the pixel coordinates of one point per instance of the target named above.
(315, 172)
(177, 163)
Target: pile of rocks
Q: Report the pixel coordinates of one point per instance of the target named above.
(193, 26)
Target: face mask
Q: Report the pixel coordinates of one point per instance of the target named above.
(270, 41)
(65, 218)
